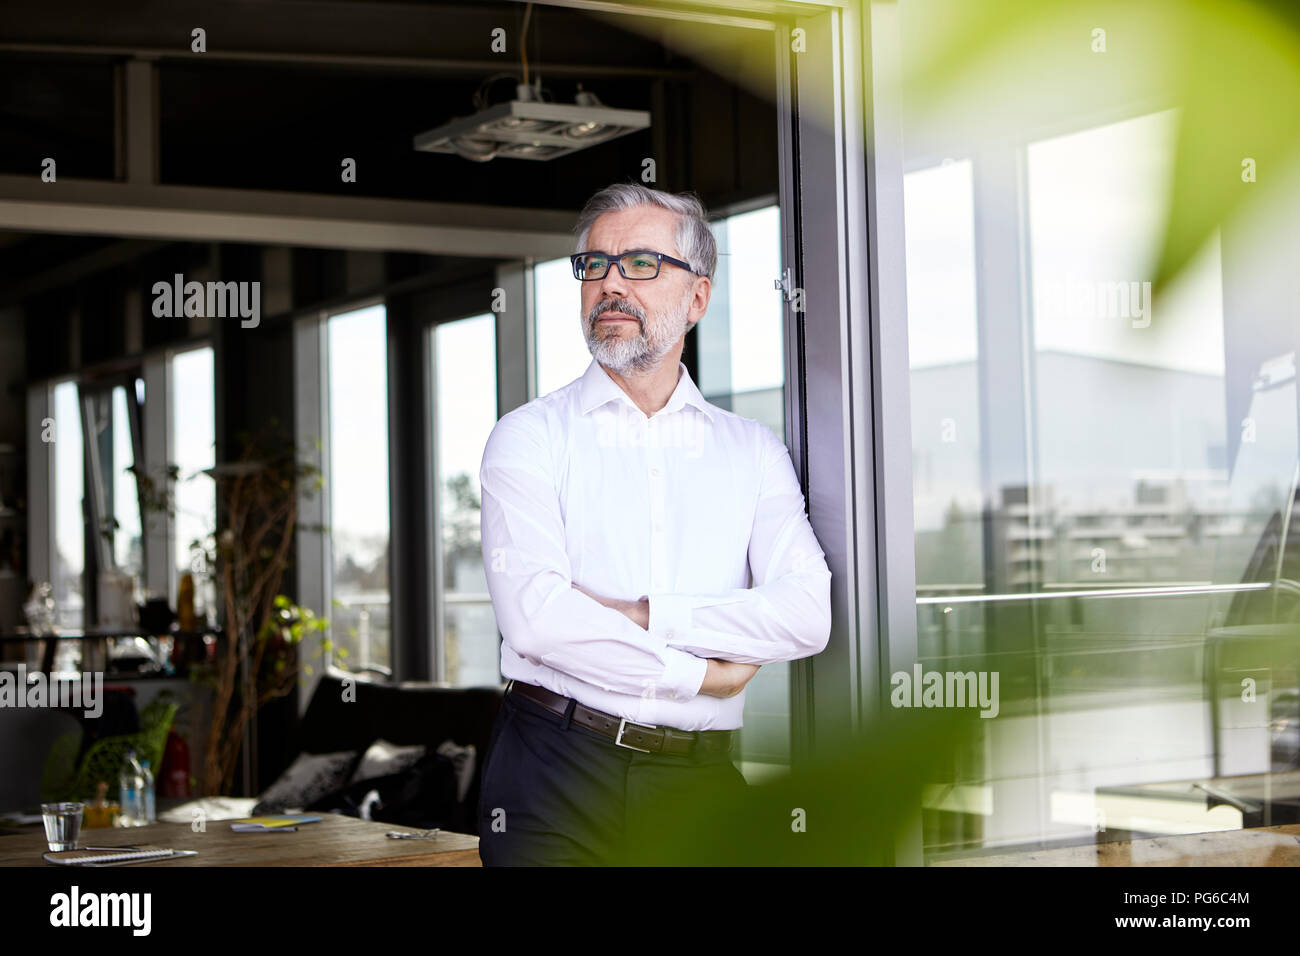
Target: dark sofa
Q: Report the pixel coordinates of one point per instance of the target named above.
(404, 714)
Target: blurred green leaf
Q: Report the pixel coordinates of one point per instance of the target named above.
(1231, 66)
(845, 807)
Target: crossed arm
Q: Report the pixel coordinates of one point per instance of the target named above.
(669, 645)
(721, 678)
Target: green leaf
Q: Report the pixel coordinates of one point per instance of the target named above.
(1241, 89)
(1232, 67)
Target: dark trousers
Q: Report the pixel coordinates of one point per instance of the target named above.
(556, 793)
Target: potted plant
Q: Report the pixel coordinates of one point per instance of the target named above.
(244, 561)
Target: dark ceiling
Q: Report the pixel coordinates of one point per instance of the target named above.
(288, 88)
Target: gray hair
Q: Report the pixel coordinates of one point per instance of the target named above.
(694, 238)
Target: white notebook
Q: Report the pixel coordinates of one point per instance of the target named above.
(96, 857)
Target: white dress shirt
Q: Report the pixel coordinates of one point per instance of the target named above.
(695, 507)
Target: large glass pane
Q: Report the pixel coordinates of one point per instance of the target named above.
(464, 412)
(941, 329)
(1131, 489)
(357, 480)
(561, 350)
(741, 343)
(193, 444)
(1103, 478)
(128, 546)
(119, 548)
(68, 481)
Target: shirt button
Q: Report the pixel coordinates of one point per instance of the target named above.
(659, 526)
(654, 472)
(672, 693)
(669, 636)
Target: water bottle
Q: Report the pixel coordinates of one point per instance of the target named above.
(150, 807)
(131, 792)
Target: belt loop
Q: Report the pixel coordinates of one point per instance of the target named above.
(568, 713)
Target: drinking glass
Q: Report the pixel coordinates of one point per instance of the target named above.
(62, 824)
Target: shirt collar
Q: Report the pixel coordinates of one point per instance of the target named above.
(598, 389)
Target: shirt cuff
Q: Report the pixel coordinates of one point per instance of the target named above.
(683, 675)
(670, 616)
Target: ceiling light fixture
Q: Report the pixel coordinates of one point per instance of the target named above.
(528, 128)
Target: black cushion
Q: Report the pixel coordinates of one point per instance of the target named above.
(422, 796)
(403, 714)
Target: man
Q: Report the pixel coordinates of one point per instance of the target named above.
(624, 519)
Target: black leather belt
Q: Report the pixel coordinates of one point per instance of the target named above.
(626, 733)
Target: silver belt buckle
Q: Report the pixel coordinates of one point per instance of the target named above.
(622, 726)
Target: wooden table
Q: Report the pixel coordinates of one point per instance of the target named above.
(335, 841)
(1256, 846)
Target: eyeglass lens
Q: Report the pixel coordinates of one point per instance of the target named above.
(635, 266)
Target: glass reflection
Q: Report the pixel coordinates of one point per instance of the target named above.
(1103, 485)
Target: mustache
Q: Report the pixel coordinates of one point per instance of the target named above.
(616, 305)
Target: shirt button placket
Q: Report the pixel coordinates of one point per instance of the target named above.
(654, 457)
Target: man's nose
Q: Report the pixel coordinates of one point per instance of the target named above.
(613, 286)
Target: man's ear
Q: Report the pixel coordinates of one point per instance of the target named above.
(700, 300)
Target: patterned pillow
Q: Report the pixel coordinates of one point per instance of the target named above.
(309, 778)
(462, 759)
(383, 759)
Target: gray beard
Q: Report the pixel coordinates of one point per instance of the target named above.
(640, 353)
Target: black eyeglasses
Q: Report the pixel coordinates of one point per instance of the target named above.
(590, 266)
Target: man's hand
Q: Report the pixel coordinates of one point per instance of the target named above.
(638, 612)
(726, 678)
(722, 679)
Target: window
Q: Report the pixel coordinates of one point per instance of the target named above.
(68, 484)
(192, 450)
(116, 505)
(1072, 436)
(741, 345)
(128, 541)
(463, 360)
(562, 353)
(942, 332)
(1138, 476)
(356, 483)
(116, 564)
(100, 436)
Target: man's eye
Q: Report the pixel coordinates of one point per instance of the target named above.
(596, 263)
(643, 262)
